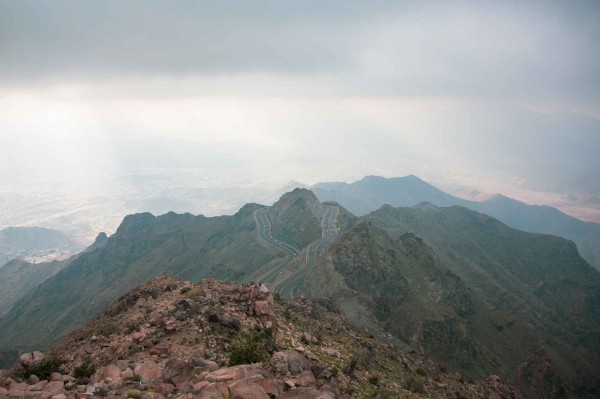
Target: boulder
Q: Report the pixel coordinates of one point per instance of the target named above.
(111, 371)
(203, 364)
(235, 373)
(149, 371)
(54, 387)
(39, 386)
(248, 390)
(31, 359)
(215, 390)
(289, 362)
(332, 352)
(177, 371)
(271, 386)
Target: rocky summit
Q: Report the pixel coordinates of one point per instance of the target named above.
(170, 338)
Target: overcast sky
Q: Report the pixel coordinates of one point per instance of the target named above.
(344, 88)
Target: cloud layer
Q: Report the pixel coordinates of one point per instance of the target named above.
(545, 53)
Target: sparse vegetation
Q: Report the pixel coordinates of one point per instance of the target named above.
(255, 350)
(108, 329)
(84, 370)
(47, 366)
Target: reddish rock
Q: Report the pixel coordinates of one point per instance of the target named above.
(149, 372)
(31, 359)
(111, 371)
(305, 379)
(332, 352)
(271, 386)
(265, 314)
(56, 377)
(289, 362)
(215, 390)
(232, 374)
(54, 387)
(177, 371)
(165, 389)
(248, 390)
(185, 387)
(203, 364)
(138, 336)
(305, 393)
(38, 387)
(127, 374)
(159, 350)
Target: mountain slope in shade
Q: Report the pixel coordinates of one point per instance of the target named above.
(18, 277)
(296, 217)
(472, 292)
(370, 193)
(145, 246)
(35, 243)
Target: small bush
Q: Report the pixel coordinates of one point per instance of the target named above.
(135, 378)
(132, 328)
(195, 294)
(255, 350)
(85, 370)
(374, 380)
(421, 372)
(349, 370)
(47, 366)
(108, 329)
(414, 385)
(184, 290)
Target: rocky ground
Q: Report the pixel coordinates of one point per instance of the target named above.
(170, 338)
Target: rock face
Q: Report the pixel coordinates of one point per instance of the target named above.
(221, 340)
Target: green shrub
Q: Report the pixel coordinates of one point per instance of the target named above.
(421, 372)
(108, 329)
(414, 385)
(255, 350)
(374, 380)
(47, 366)
(85, 370)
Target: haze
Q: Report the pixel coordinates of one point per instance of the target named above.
(112, 107)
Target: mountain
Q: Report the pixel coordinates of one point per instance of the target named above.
(35, 244)
(145, 246)
(18, 277)
(480, 297)
(473, 293)
(216, 339)
(370, 193)
(296, 217)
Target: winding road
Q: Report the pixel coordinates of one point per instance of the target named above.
(263, 227)
(287, 284)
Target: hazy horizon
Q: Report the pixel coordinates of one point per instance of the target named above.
(108, 107)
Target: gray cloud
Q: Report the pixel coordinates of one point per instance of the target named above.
(530, 51)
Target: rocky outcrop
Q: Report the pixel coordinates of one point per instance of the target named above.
(171, 338)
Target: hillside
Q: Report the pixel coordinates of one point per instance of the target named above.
(144, 247)
(473, 293)
(218, 339)
(17, 277)
(372, 192)
(296, 217)
(35, 244)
